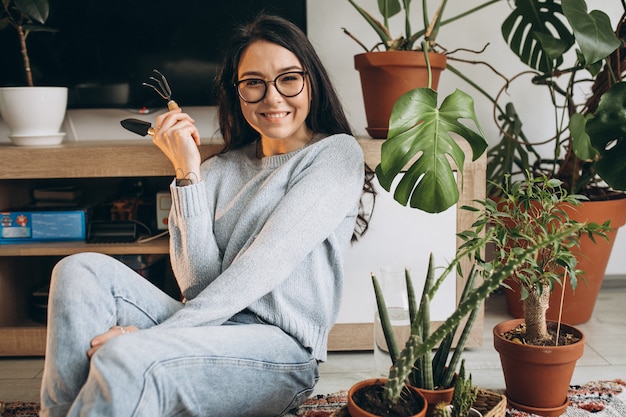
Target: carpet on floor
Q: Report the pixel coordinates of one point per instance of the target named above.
(594, 399)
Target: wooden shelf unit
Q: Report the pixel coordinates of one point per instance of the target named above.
(23, 266)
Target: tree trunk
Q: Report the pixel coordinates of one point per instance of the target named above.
(535, 308)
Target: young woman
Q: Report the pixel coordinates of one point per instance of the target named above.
(258, 235)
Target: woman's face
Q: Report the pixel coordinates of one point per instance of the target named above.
(276, 117)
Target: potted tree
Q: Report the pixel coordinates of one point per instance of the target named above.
(588, 95)
(538, 356)
(388, 391)
(399, 64)
(34, 114)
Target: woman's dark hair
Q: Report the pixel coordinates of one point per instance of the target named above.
(326, 113)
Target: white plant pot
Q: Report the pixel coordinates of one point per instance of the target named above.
(34, 115)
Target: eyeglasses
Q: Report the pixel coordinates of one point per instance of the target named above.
(288, 84)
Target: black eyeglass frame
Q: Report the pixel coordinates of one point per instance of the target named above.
(302, 73)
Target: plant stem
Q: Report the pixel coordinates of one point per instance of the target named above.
(22, 35)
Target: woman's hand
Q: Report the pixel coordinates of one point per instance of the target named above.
(178, 138)
(98, 341)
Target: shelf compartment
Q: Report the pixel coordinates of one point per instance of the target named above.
(154, 247)
(23, 340)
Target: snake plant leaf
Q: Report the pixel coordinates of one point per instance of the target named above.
(607, 131)
(529, 29)
(421, 134)
(37, 10)
(593, 31)
(380, 29)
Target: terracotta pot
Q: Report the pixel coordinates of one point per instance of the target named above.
(434, 397)
(387, 75)
(355, 411)
(592, 258)
(537, 378)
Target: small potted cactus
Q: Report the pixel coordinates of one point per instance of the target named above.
(464, 396)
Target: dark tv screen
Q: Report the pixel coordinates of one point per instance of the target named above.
(104, 50)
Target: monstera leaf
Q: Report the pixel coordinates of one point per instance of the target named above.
(421, 134)
(593, 31)
(607, 132)
(536, 33)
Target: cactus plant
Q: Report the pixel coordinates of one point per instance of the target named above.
(429, 372)
(464, 394)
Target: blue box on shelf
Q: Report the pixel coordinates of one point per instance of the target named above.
(42, 226)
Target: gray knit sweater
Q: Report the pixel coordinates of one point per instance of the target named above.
(269, 235)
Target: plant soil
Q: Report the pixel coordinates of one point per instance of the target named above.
(566, 336)
(370, 398)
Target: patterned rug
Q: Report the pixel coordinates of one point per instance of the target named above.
(594, 399)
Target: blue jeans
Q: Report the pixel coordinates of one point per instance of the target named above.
(245, 367)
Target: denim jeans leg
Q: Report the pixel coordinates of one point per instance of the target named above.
(239, 370)
(89, 293)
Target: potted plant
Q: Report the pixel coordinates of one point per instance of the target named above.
(34, 114)
(580, 64)
(420, 131)
(432, 375)
(388, 391)
(463, 399)
(399, 64)
(538, 356)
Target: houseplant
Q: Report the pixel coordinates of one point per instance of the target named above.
(528, 211)
(492, 275)
(463, 399)
(399, 64)
(34, 114)
(588, 99)
(432, 375)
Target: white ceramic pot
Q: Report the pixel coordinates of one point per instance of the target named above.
(34, 115)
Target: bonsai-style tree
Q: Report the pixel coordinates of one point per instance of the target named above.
(25, 16)
(525, 213)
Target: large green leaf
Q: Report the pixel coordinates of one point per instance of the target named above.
(421, 133)
(37, 10)
(607, 131)
(580, 139)
(536, 33)
(593, 31)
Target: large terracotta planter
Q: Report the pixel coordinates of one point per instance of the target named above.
(387, 75)
(592, 258)
(355, 411)
(537, 378)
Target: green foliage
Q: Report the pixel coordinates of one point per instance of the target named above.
(525, 213)
(418, 129)
(429, 372)
(406, 42)
(492, 278)
(588, 139)
(464, 394)
(25, 16)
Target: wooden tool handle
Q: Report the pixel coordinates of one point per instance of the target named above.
(172, 105)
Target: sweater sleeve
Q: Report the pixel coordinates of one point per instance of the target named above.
(318, 200)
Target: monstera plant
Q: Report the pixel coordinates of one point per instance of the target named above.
(580, 59)
(420, 133)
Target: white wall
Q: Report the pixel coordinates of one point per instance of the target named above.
(327, 17)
